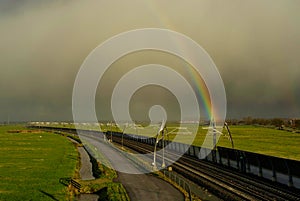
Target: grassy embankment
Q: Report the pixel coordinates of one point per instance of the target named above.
(104, 174)
(32, 163)
(269, 141)
(103, 185)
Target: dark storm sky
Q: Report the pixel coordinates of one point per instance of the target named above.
(254, 43)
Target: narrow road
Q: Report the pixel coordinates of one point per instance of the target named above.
(147, 187)
(139, 186)
(85, 172)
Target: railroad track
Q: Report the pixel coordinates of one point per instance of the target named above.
(223, 182)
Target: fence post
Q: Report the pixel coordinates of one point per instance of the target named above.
(291, 183)
(248, 164)
(259, 167)
(274, 176)
(228, 159)
(220, 157)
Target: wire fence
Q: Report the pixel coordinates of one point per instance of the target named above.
(189, 187)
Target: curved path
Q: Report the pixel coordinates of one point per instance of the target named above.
(147, 187)
(139, 186)
(86, 172)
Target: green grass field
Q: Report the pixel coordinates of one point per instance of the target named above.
(267, 141)
(258, 139)
(31, 165)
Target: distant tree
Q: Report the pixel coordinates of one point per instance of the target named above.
(248, 120)
(232, 121)
(297, 123)
(263, 121)
(267, 122)
(255, 121)
(277, 122)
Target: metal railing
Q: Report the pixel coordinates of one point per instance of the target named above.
(189, 187)
(66, 181)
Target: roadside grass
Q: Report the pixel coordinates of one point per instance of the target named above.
(31, 165)
(105, 188)
(104, 184)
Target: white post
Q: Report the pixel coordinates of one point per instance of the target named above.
(214, 154)
(111, 140)
(163, 149)
(125, 126)
(154, 152)
(161, 129)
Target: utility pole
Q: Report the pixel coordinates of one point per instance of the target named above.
(163, 165)
(214, 155)
(161, 129)
(111, 131)
(229, 133)
(214, 135)
(125, 126)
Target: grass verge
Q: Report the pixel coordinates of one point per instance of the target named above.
(32, 163)
(103, 184)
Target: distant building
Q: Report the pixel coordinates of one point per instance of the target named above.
(295, 123)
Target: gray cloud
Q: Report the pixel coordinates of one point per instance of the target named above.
(255, 45)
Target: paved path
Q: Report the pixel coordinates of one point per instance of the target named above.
(148, 188)
(85, 172)
(139, 186)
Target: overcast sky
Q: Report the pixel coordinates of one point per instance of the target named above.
(254, 43)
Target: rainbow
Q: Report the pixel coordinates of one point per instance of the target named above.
(195, 80)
